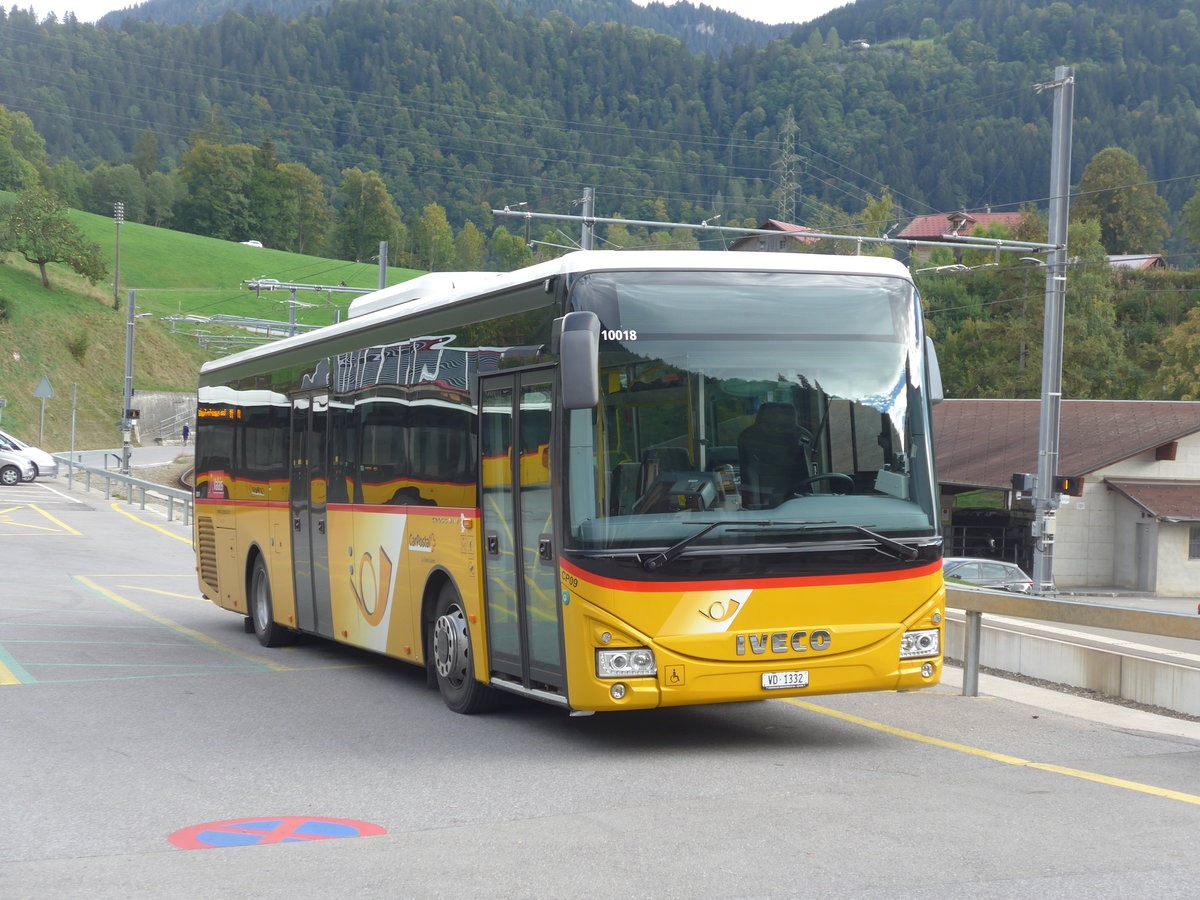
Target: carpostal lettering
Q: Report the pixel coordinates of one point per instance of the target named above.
(421, 543)
(782, 642)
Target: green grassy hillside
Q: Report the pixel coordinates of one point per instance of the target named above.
(72, 335)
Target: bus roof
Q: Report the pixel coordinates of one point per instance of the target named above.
(437, 289)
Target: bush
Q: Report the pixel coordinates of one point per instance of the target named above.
(78, 345)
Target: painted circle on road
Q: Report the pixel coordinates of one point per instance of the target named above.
(281, 830)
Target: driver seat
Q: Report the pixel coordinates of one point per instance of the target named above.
(774, 456)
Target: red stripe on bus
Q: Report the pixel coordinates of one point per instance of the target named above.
(447, 511)
(455, 511)
(750, 584)
(224, 501)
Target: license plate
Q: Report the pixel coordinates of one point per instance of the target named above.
(775, 681)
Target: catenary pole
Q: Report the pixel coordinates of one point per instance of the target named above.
(589, 223)
(127, 397)
(1045, 494)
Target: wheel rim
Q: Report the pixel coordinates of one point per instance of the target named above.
(258, 599)
(451, 646)
(10, 476)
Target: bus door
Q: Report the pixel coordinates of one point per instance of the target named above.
(310, 547)
(520, 571)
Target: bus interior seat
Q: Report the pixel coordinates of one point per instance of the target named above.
(625, 487)
(773, 454)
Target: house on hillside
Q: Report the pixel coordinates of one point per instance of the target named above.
(790, 238)
(1136, 522)
(1139, 261)
(948, 227)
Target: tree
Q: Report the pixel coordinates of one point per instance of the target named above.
(1095, 363)
(367, 215)
(145, 154)
(507, 250)
(1189, 218)
(434, 239)
(1180, 371)
(216, 190)
(313, 215)
(273, 214)
(69, 183)
(469, 246)
(35, 224)
(22, 151)
(1115, 191)
(162, 192)
(109, 184)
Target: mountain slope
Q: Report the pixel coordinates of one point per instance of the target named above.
(702, 29)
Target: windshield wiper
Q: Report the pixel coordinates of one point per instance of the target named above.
(902, 551)
(658, 560)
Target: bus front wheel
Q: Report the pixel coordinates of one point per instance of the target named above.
(453, 656)
(262, 614)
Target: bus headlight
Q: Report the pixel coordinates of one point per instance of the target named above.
(915, 644)
(627, 663)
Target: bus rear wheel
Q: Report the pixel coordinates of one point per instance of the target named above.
(262, 613)
(453, 658)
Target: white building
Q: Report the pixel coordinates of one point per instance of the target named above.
(1135, 524)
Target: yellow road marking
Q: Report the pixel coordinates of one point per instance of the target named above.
(117, 507)
(6, 675)
(131, 587)
(60, 527)
(1000, 757)
(195, 635)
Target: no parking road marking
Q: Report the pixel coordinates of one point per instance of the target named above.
(288, 829)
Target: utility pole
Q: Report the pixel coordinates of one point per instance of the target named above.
(127, 397)
(1045, 495)
(589, 223)
(383, 261)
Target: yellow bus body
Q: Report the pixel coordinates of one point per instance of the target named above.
(693, 634)
(382, 558)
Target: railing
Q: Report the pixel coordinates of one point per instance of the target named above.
(171, 498)
(977, 601)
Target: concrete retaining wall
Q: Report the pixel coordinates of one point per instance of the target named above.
(158, 407)
(1104, 668)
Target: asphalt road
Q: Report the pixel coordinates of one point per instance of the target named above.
(132, 711)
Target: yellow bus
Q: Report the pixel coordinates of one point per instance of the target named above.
(610, 481)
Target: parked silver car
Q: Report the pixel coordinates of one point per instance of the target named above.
(989, 573)
(15, 467)
(43, 462)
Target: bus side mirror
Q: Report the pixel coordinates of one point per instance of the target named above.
(936, 393)
(579, 360)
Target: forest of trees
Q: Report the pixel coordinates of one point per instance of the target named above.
(327, 131)
(701, 28)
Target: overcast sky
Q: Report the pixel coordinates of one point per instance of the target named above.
(771, 11)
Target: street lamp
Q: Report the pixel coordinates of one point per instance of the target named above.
(127, 398)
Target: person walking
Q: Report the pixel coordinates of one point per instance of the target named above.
(186, 432)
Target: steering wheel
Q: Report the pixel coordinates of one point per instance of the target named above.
(799, 486)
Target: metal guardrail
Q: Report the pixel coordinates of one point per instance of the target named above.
(977, 601)
(172, 498)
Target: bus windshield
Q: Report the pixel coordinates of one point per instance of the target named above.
(789, 407)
